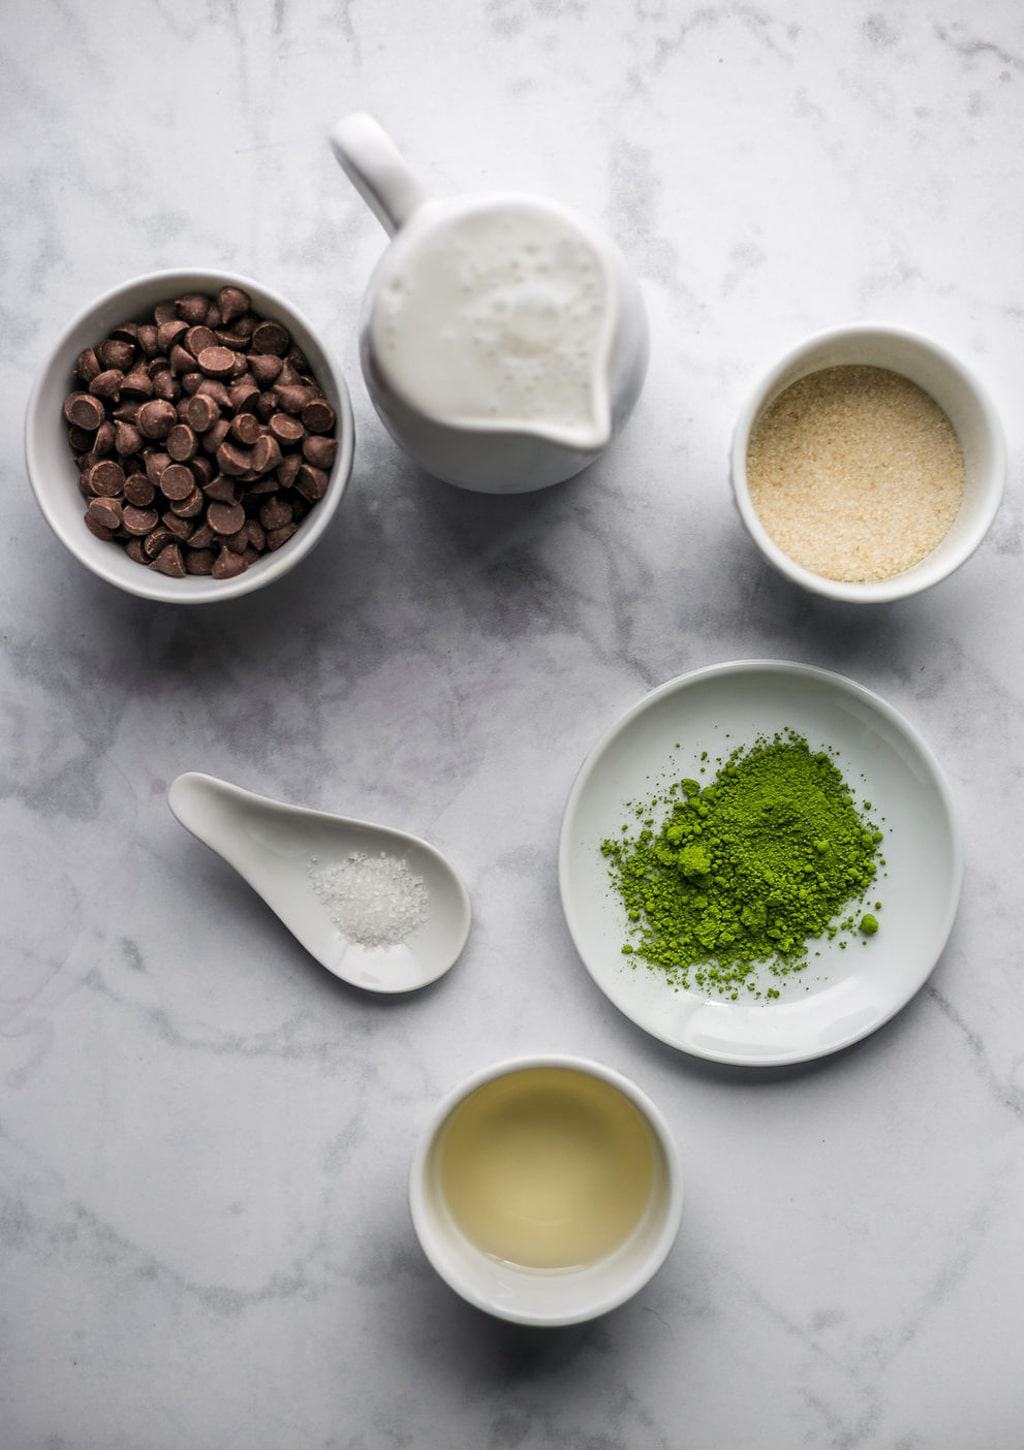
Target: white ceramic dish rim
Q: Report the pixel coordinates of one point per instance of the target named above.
(197, 590)
(667, 1233)
(912, 581)
(845, 685)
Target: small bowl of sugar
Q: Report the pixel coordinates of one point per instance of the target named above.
(868, 464)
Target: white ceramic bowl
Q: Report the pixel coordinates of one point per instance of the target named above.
(962, 398)
(54, 477)
(844, 993)
(546, 1298)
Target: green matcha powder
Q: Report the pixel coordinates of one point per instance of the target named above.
(747, 871)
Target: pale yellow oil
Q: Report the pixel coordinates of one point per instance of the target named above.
(548, 1168)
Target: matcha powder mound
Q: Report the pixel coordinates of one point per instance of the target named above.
(747, 871)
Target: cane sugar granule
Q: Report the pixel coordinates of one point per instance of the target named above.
(375, 901)
(855, 472)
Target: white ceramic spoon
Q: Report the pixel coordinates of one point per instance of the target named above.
(272, 845)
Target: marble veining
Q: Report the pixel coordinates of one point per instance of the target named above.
(203, 1137)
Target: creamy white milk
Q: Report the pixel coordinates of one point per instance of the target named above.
(500, 316)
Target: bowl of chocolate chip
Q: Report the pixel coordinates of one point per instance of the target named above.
(189, 439)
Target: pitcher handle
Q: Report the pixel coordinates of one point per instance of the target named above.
(375, 166)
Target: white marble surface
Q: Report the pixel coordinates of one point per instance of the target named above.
(203, 1138)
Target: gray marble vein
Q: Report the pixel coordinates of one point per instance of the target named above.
(203, 1138)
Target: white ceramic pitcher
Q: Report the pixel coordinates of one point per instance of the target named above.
(485, 450)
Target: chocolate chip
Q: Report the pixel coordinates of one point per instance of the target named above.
(246, 428)
(215, 435)
(244, 395)
(203, 468)
(290, 376)
(267, 484)
(266, 405)
(266, 454)
(107, 384)
(98, 529)
(177, 482)
(156, 418)
(106, 478)
(156, 461)
(201, 411)
(225, 518)
(170, 562)
(165, 312)
(197, 338)
(156, 540)
(232, 460)
(182, 442)
(270, 337)
(139, 521)
(215, 389)
(138, 383)
(293, 398)
(105, 511)
(277, 537)
(227, 565)
(275, 513)
(103, 439)
(201, 537)
(199, 561)
(80, 439)
(136, 552)
(265, 367)
(194, 307)
(257, 536)
(147, 336)
(182, 360)
(217, 362)
(178, 526)
(84, 411)
(191, 506)
(288, 469)
(190, 382)
(238, 543)
(116, 353)
(233, 302)
(87, 365)
(311, 482)
(319, 451)
(126, 412)
(168, 333)
(318, 416)
(138, 490)
(166, 386)
(127, 439)
(287, 430)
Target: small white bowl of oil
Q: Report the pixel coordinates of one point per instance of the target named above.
(546, 1190)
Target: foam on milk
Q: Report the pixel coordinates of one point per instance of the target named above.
(500, 316)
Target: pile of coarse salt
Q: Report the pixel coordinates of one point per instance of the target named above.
(375, 901)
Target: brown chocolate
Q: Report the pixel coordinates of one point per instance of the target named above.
(270, 337)
(318, 416)
(182, 442)
(156, 418)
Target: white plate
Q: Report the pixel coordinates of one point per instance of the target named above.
(844, 994)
